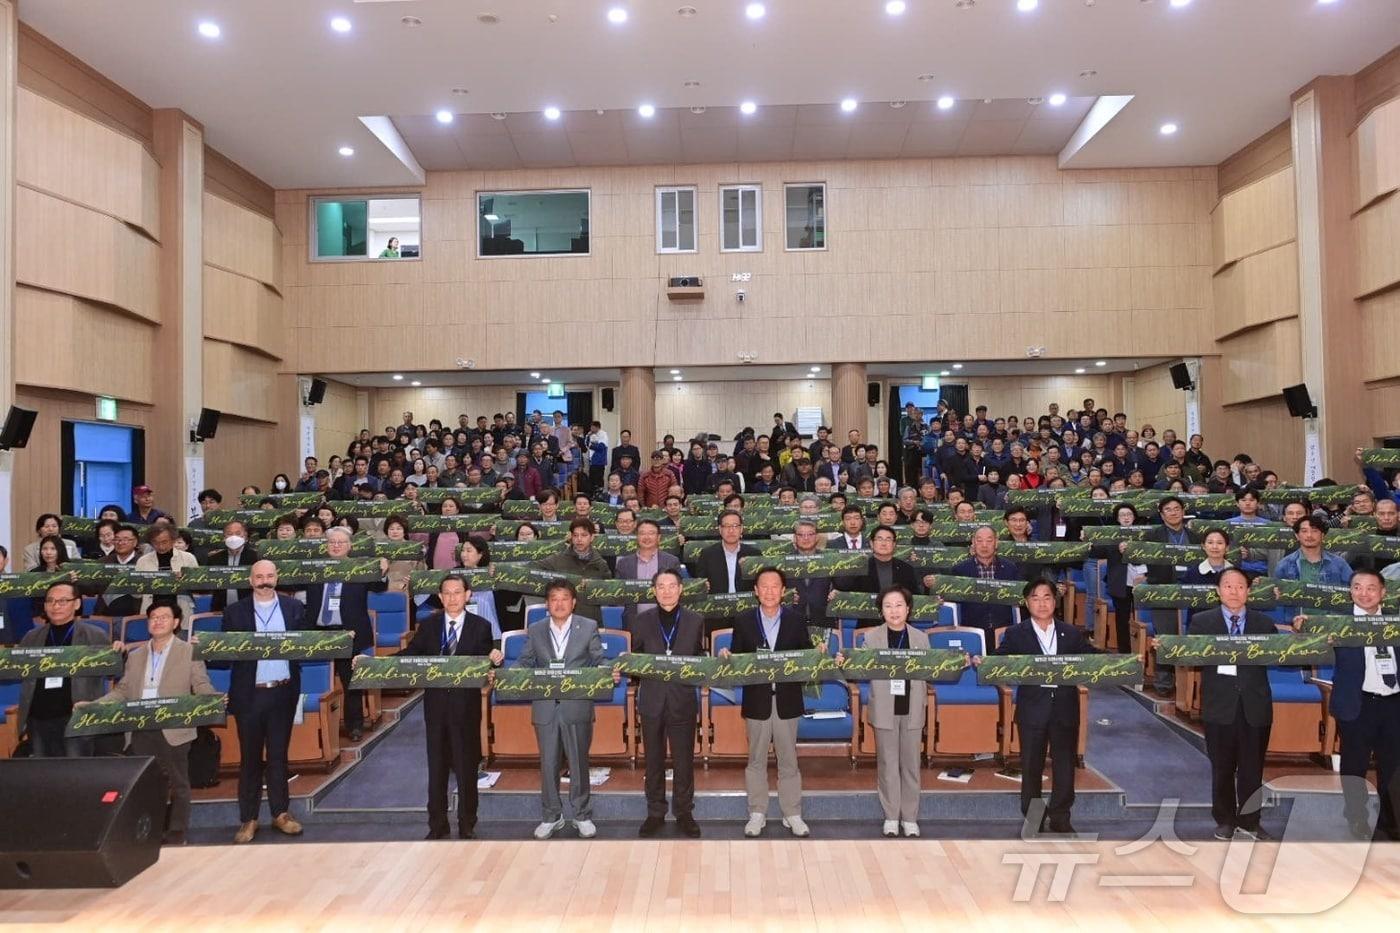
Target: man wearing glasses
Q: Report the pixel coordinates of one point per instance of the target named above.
(45, 703)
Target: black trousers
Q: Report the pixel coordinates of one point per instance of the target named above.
(595, 478)
(454, 747)
(1236, 752)
(174, 763)
(265, 726)
(1122, 616)
(354, 699)
(677, 731)
(1375, 732)
(1062, 741)
(47, 740)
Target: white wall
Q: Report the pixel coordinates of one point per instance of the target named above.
(725, 408)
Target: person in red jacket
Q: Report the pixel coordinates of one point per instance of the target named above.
(656, 482)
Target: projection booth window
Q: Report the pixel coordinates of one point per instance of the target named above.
(532, 223)
(379, 229)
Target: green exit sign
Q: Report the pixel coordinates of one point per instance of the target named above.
(555, 390)
(106, 408)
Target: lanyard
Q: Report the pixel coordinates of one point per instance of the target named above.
(1046, 647)
(261, 623)
(154, 666)
(773, 638)
(902, 641)
(561, 644)
(671, 636)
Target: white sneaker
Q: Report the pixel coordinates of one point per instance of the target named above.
(586, 829)
(796, 826)
(910, 829)
(891, 828)
(547, 829)
(754, 826)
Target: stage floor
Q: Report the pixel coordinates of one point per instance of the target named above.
(709, 885)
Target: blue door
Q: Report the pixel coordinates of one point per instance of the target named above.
(102, 466)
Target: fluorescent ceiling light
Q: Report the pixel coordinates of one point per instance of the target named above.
(945, 102)
(895, 7)
(398, 377)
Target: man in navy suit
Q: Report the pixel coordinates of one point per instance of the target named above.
(262, 697)
(1047, 717)
(345, 606)
(1366, 705)
(771, 711)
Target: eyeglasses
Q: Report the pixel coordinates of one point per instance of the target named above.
(59, 600)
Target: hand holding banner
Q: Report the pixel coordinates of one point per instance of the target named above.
(183, 712)
(939, 665)
(59, 661)
(1055, 670)
(307, 645)
(1211, 650)
(404, 672)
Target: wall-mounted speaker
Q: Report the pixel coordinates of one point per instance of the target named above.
(608, 398)
(1299, 402)
(18, 424)
(317, 393)
(1181, 376)
(872, 393)
(208, 424)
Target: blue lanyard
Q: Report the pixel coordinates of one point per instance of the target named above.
(672, 636)
(260, 623)
(67, 638)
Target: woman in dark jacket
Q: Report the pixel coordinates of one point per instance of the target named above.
(1122, 577)
(1216, 544)
(695, 473)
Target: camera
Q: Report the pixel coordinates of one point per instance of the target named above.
(741, 295)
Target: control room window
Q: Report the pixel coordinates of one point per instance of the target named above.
(532, 223)
(366, 228)
(805, 218)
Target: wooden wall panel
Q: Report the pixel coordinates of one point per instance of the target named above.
(64, 153)
(1384, 401)
(1258, 363)
(969, 255)
(1375, 233)
(1378, 82)
(39, 478)
(1380, 337)
(56, 347)
(1257, 289)
(54, 73)
(1031, 395)
(1263, 157)
(242, 241)
(240, 382)
(229, 180)
(1376, 145)
(1266, 432)
(67, 248)
(1152, 399)
(245, 452)
(338, 419)
(1256, 217)
(444, 403)
(243, 311)
(725, 408)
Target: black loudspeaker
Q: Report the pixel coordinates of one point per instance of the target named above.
(79, 822)
(208, 423)
(608, 397)
(18, 423)
(317, 393)
(872, 393)
(1299, 402)
(1181, 376)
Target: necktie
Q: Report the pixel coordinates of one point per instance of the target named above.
(451, 638)
(1236, 625)
(1389, 679)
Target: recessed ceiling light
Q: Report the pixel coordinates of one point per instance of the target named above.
(748, 108)
(896, 7)
(647, 110)
(697, 110)
(1101, 362)
(957, 366)
(1057, 100)
(491, 219)
(1025, 6)
(617, 16)
(692, 83)
(551, 113)
(815, 369)
(487, 19)
(460, 90)
(965, 4)
(897, 104)
(1079, 371)
(676, 378)
(1168, 129)
(415, 383)
(1181, 2)
(411, 21)
(675, 372)
(398, 377)
(926, 77)
(341, 24)
(755, 11)
(1035, 101)
(945, 373)
(497, 115)
(686, 12)
(346, 151)
(849, 104)
(1326, 2)
(444, 116)
(945, 102)
(534, 375)
(210, 30)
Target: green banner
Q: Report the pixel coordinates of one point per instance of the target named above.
(776, 667)
(616, 545)
(184, 712)
(1273, 535)
(531, 581)
(846, 605)
(940, 665)
(1092, 670)
(420, 672)
(1088, 508)
(30, 584)
(702, 505)
(1175, 596)
(256, 519)
(145, 582)
(1037, 498)
(473, 497)
(1112, 534)
(328, 570)
(371, 508)
(611, 592)
(1208, 650)
(521, 551)
(1160, 554)
(59, 661)
(931, 559)
(577, 683)
(1045, 552)
(482, 523)
(695, 670)
(1268, 592)
(520, 509)
(1380, 457)
(361, 546)
(1317, 495)
(972, 590)
(479, 579)
(507, 530)
(78, 526)
(284, 500)
(308, 645)
(1348, 631)
(825, 563)
(728, 605)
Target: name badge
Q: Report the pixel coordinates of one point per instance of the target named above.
(333, 604)
(897, 688)
(1226, 670)
(149, 693)
(53, 683)
(1385, 665)
(556, 665)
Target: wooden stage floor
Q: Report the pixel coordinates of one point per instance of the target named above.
(714, 885)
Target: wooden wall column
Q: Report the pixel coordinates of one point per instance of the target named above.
(637, 403)
(849, 405)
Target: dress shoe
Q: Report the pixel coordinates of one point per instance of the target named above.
(910, 829)
(651, 826)
(1257, 834)
(434, 834)
(465, 831)
(246, 832)
(754, 826)
(586, 829)
(547, 829)
(796, 826)
(891, 828)
(175, 838)
(356, 733)
(1224, 833)
(284, 824)
(1062, 828)
(687, 825)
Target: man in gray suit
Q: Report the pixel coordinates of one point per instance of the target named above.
(644, 565)
(563, 640)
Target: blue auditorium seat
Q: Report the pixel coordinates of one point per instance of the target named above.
(390, 618)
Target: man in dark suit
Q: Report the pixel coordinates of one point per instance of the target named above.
(1237, 707)
(771, 711)
(669, 711)
(1173, 530)
(452, 716)
(1047, 717)
(235, 553)
(625, 448)
(812, 592)
(345, 606)
(1366, 705)
(852, 536)
(984, 564)
(719, 563)
(648, 560)
(883, 569)
(262, 697)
